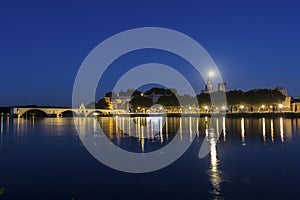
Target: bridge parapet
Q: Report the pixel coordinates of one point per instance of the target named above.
(81, 111)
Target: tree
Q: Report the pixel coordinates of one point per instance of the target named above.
(187, 100)
(263, 96)
(102, 104)
(156, 90)
(140, 101)
(168, 101)
(235, 97)
(203, 99)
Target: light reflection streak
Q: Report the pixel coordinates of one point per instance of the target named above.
(243, 131)
(214, 172)
(160, 130)
(1, 142)
(197, 127)
(117, 124)
(1, 131)
(143, 141)
(167, 130)
(123, 124)
(7, 125)
(180, 128)
(217, 127)
(152, 129)
(272, 130)
(129, 132)
(95, 124)
(190, 128)
(264, 129)
(224, 129)
(281, 130)
(33, 122)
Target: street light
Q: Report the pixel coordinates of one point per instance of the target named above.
(271, 109)
(280, 107)
(242, 107)
(261, 107)
(206, 108)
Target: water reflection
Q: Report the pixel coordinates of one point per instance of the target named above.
(214, 172)
(264, 129)
(162, 129)
(224, 129)
(281, 130)
(1, 134)
(159, 130)
(1, 126)
(272, 130)
(243, 131)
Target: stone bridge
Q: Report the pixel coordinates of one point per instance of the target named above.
(81, 111)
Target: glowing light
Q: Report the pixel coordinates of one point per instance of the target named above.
(191, 130)
(224, 129)
(264, 129)
(272, 130)
(205, 107)
(1, 125)
(280, 106)
(242, 107)
(211, 74)
(263, 106)
(281, 130)
(243, 131)
(214, 173)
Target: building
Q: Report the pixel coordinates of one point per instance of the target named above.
(282, 90)
(155, 97)
(286, 104)
(121, 103)
(108, 101)
(295, 104)
(222, 87)
(208, 87)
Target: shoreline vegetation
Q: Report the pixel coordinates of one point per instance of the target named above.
(161, 101)
(229, 115)
(194, 114)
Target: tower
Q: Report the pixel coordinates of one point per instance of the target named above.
(222, 87)
(208, 87)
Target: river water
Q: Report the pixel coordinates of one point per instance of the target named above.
(252, 158)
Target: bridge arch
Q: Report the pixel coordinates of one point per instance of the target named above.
(67, 113)
(94, 113)
(33, 112)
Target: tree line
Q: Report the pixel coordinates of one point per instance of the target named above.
(170, 98)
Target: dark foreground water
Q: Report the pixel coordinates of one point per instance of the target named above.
(253, 159)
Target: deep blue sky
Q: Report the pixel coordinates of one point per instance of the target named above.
(43, 43)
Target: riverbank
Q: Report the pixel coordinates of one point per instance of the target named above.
(229, 115)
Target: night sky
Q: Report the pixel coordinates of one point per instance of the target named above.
(255, 44)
